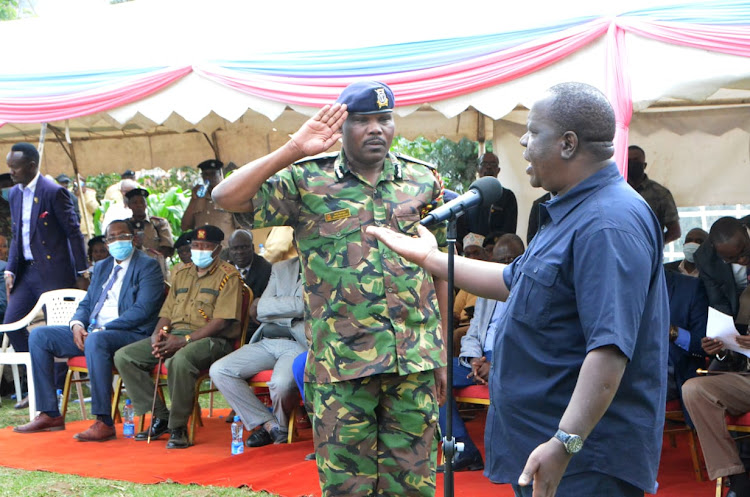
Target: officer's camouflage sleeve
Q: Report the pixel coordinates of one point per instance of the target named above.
(439, 230)
(229, 302)
(277, 202)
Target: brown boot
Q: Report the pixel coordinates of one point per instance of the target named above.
(42, 422)
(98, 432)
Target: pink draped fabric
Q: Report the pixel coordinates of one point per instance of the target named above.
(618, 92)
(90, 101)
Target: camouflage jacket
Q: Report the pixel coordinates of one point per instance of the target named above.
(368, 310)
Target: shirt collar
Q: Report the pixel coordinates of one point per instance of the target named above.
(392, 167)
(561, 205)
(32, 184)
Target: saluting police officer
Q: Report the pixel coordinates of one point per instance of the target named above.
(201, 210)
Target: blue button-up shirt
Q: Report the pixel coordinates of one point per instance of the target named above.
(591, 277)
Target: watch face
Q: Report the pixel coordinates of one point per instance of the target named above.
(574, 444)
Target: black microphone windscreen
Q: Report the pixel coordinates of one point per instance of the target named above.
(489, 189)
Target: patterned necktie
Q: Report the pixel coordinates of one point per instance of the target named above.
(103, 296)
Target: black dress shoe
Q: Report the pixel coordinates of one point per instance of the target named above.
(24, 404)
(259, 438)
(178, 439)
(465, 462)
(158, 428)
(739, 486)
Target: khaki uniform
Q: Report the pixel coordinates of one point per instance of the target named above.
(192, 302)
(206, 212)
(156, 232)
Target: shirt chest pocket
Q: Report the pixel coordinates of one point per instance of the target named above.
(340, 242)
(534, 290)
(205, 303)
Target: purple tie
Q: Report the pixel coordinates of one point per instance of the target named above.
(103, 296)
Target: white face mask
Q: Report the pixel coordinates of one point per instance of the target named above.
(689, 250)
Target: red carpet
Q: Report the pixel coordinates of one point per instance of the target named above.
(279, 469)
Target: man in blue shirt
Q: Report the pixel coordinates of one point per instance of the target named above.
(579, 371)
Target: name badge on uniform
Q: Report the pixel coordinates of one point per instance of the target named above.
(337, 215)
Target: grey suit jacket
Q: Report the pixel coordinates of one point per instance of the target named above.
(472, 344)
(282, 302)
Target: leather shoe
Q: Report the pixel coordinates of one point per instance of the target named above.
(261, 437)
(310, 456)
(178, 439)
(739, 485)
(42, 422)
(471, 461)
(24, 404)
(158, 428)
(98, 432)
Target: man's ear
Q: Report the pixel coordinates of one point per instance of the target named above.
(569, 145)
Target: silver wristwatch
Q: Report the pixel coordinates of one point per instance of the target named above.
(572, 443)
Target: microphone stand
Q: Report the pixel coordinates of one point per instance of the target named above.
(450, 447)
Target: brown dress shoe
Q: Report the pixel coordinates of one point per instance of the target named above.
(98, 432)
(42, 422)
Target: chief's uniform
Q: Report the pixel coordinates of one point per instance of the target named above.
(192, 302)
(373, 318)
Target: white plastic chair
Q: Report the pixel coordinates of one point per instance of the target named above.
(59, 307)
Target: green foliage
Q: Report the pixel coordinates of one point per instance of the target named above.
(171, 206)
(456, 161)
(101, 182)
(8, 10)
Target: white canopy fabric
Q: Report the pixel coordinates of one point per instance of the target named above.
(690, 105)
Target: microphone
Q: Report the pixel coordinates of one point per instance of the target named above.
(485, 191)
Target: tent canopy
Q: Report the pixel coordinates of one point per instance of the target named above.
(129, 81)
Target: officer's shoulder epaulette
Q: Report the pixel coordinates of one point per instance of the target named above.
(186, 266)
(228, 268)
(158, 219)
(323, 156)
(409, 158)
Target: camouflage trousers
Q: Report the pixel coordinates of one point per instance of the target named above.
(376, 435)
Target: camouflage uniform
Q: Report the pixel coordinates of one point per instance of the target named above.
(660, 200)
(373, 318)
(192, 301)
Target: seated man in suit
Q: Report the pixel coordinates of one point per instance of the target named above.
(473, 364)
(688, 312)
(693, 240)
(278, 340)
(723, 263)
(120, 307)
(708, 399)
(203, 311)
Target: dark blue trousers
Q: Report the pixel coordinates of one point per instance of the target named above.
(588, 484)
(48, 342)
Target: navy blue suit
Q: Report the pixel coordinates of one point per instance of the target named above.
(688, 309)
(141, 296)
(56, 245)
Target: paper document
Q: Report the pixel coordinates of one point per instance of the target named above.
(721, 326)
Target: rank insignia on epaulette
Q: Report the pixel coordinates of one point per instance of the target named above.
(337, 215)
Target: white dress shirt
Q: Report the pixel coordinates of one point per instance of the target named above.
(28, 193)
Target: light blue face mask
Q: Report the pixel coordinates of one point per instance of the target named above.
(5, 193)
(120, 249)
(202, 258)
(689, 250)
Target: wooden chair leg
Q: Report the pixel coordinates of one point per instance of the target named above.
(719, 487)
(116, 391)
(66, 393)
(79, 390)
(694, 455)
(292, 427)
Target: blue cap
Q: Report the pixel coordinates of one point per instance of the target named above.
(236, 418)
(128, 402)
(367, 97)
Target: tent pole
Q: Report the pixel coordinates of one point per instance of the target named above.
(42, 139)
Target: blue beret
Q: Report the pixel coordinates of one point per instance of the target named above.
(367, 97)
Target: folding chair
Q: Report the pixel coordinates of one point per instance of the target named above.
(59, 307)
(675, 423)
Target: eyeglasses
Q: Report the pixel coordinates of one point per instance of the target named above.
(119, 238)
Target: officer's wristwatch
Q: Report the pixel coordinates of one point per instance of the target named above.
(572, 443)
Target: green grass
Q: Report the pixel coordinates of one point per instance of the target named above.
(44, 484)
